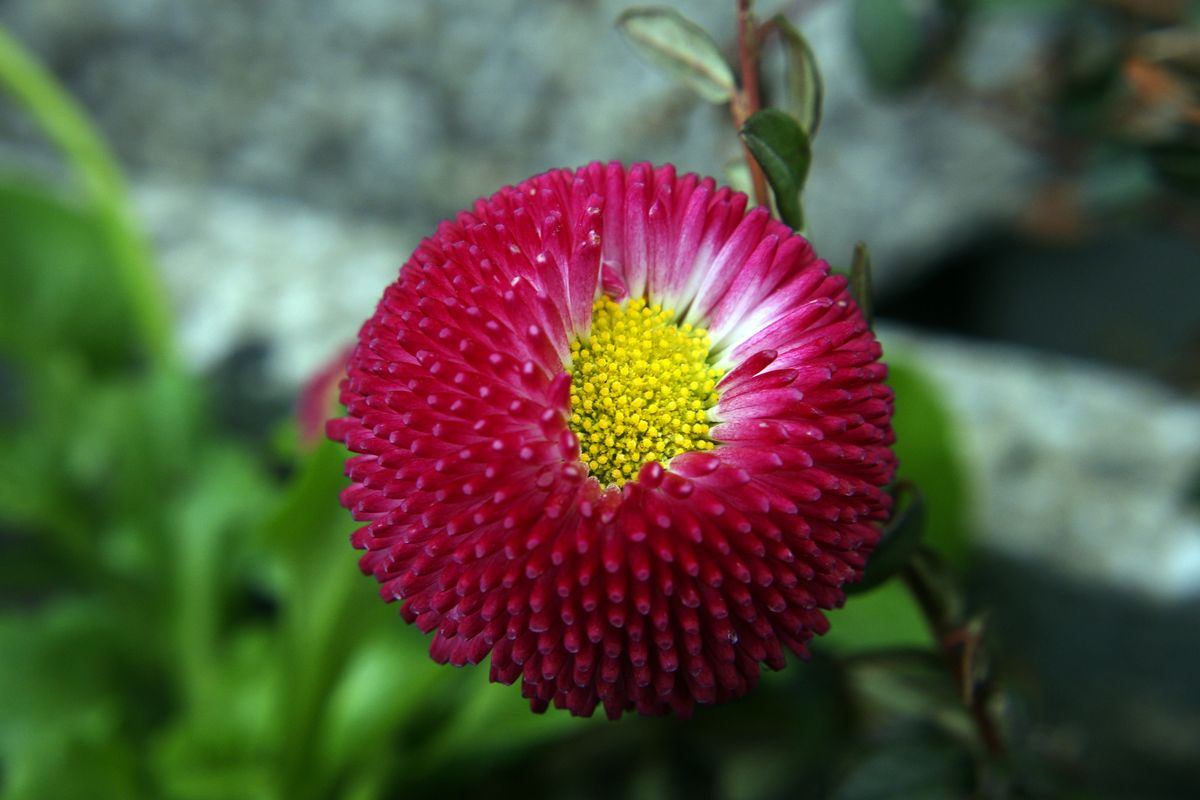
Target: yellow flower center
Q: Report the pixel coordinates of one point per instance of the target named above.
(641, 388)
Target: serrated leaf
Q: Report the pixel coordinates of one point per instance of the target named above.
(666, 38)
(805, 89)
(782, 149)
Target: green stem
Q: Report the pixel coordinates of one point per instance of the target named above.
(66, 125)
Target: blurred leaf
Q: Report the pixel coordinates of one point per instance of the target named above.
(1089, 53)
(900, 41)
(781, 148)
(666, 38)
(356, 677)
(886, 618)
(34, 490)
(98, 764)
(900, 540)
(40, 684)
(805, 90)
(1178, 165)
(67, 701)
(309, 504)
(385, 681)
(1116, 180)
(56, 289)
(223, 499)
(67, 126)
(889, 38)
(929, 457)
(894, 687)
(941, 589)
(92, 465)
(328, 611)
(914, 770)
(1049, 8)
(482, 710)
(227, 741)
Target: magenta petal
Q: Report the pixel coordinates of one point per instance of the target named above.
(478, 515)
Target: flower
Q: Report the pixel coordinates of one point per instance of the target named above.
(619, 433)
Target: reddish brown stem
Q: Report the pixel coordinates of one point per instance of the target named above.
(957, 643)
(748, 99)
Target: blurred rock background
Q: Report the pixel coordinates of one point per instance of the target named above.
(291, 147)
(1025, 173)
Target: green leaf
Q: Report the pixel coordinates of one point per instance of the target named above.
(75, 466)
(226, 742)
(889, 40)
(222, 500)
(65, 123)
(1177, 164)
(666, 38)
(805, 89)
(901, 41)
(906, 683)
(917, 770)
(385, 683)
(297, 529)
(56, 282)
(34, 440)
(481, 708)
(925, 445)
(883, 619)
(899, 542)
(328, 610)
(782, 149)
(68, 702)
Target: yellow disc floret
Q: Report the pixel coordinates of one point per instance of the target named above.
(641, 388)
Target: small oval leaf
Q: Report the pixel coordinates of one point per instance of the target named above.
(781, 148)
(805, 90)
(668, 39)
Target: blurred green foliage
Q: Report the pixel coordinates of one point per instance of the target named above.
(181, 617)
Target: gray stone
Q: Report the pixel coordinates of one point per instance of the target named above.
(1073, 465)
(915, 176)
(405, 112)
(240, 268)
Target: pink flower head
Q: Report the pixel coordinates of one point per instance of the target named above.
(620, 434)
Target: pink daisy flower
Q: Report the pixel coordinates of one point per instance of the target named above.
(619, 434)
